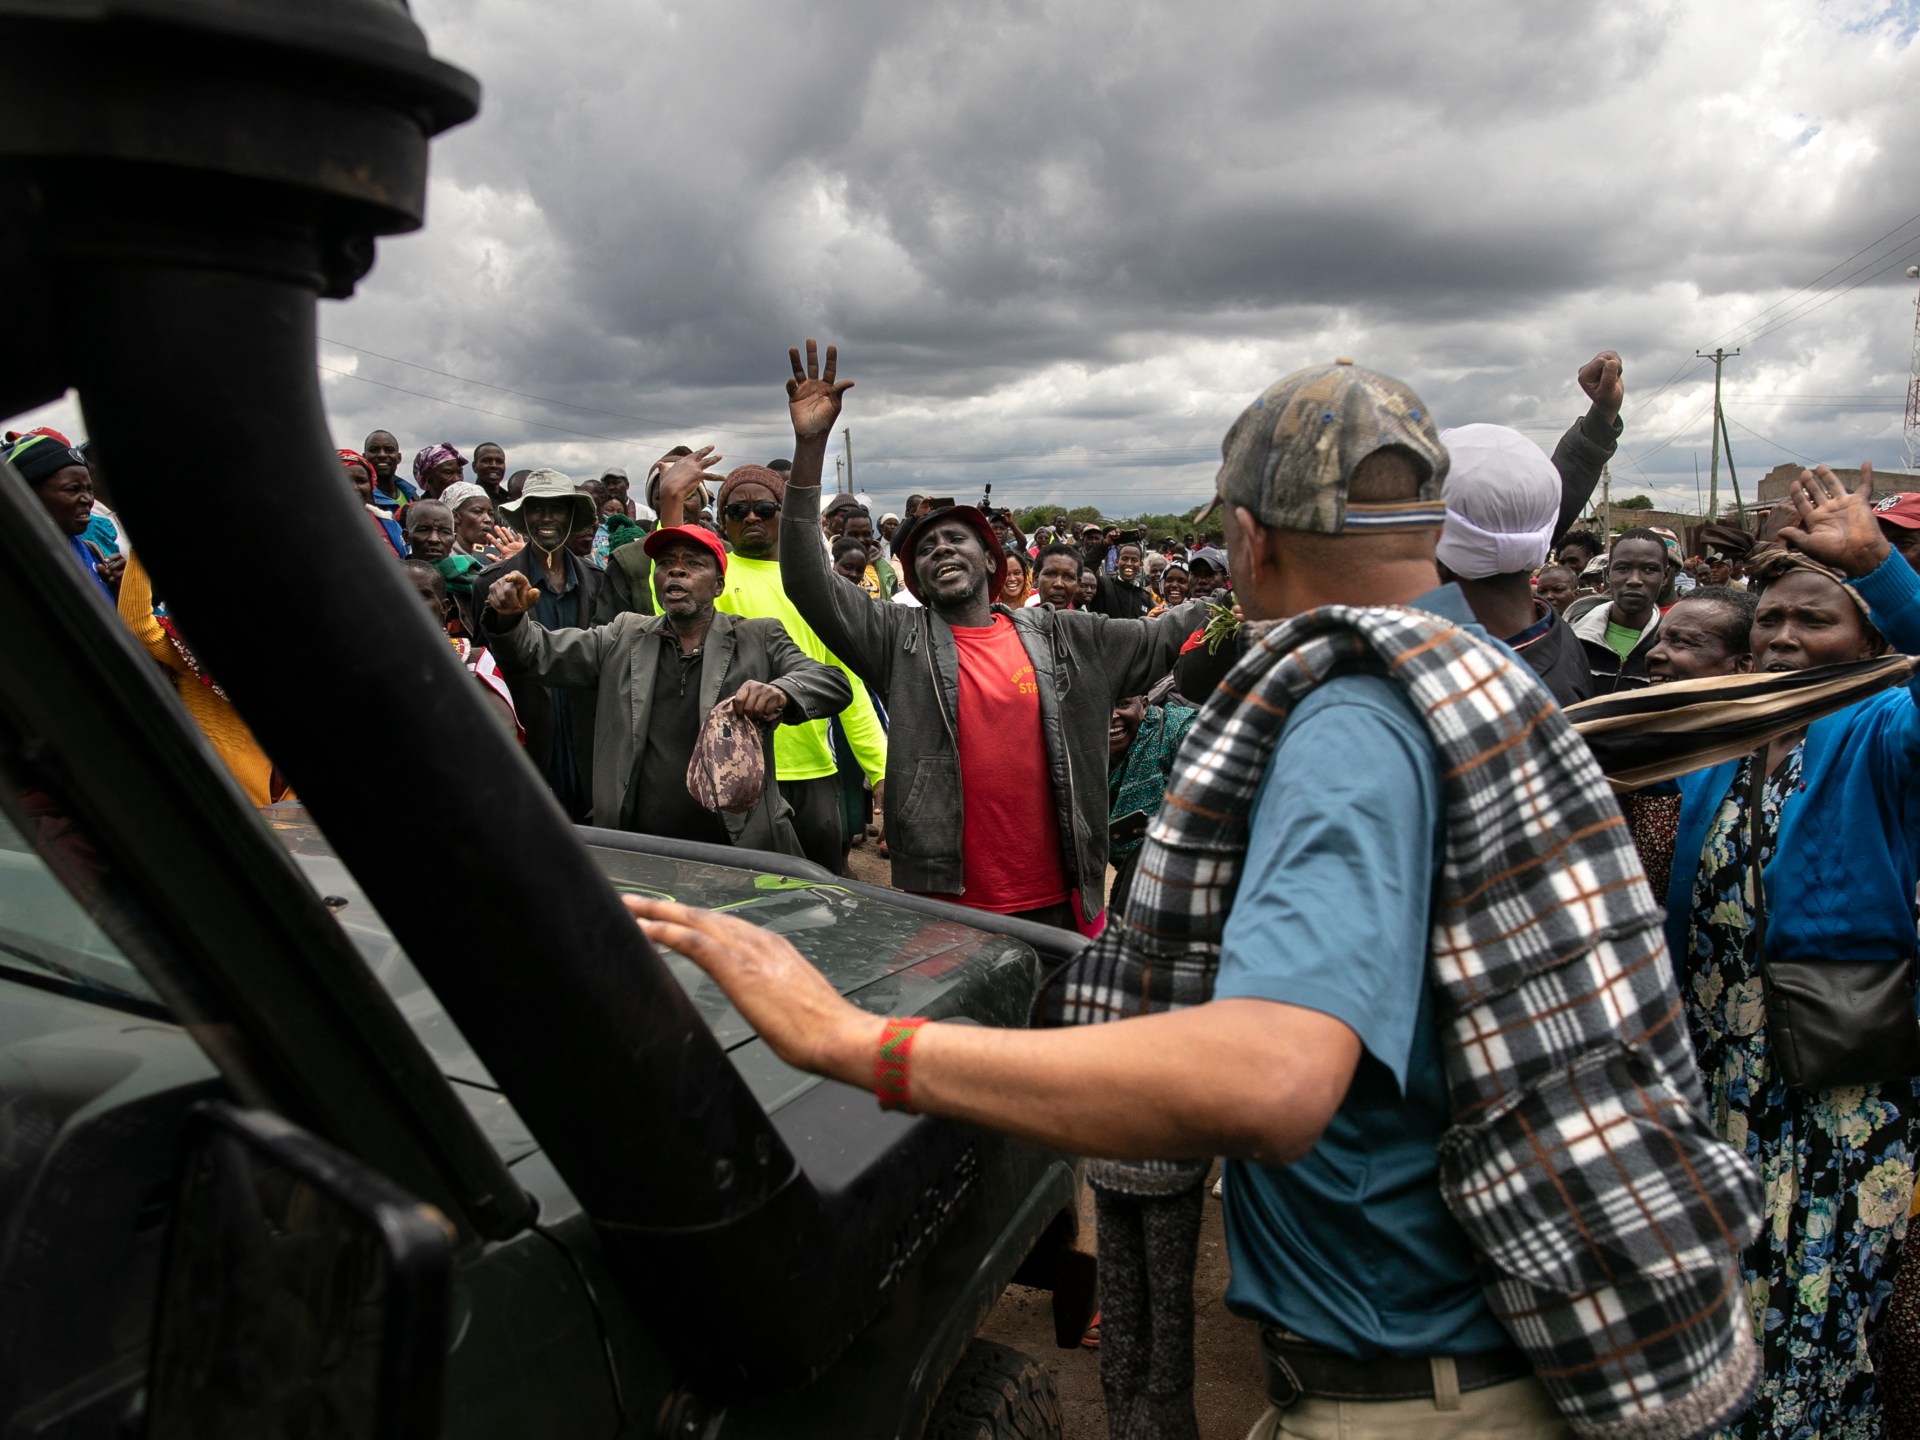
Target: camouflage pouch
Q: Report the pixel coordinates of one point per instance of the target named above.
(729, 765)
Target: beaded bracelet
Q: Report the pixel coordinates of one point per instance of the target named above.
(890, 1062)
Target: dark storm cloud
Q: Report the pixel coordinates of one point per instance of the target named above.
(1067, 241)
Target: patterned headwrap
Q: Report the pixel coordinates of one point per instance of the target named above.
(13, 435)
(351, 458)
(434, 455)
(1770, 563)
(39, 455)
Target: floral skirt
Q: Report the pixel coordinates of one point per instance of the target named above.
(1897, 1358)
(1837, 1168)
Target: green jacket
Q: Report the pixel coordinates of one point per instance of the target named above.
(632, 561)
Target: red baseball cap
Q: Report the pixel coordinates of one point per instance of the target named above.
(1902, 510)
(655, 542)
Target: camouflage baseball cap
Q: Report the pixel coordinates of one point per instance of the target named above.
(1289, 456)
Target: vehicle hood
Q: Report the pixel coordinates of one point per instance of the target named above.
(883, 957)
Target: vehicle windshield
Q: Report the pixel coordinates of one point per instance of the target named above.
(48, 939)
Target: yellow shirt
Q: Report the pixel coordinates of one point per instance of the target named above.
(802, 752)
(212, 713)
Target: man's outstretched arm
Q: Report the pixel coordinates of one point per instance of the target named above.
(841, 614)
(1589, 442)
(563, 658)
(1242, 1077)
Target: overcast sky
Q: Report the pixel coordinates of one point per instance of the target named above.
(1061, 245)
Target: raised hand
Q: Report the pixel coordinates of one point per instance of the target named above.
(505, 541)
(1601, 379)
(813, 395)
(679, 480)
(1836, 526)
(512, 594)
(760, 701)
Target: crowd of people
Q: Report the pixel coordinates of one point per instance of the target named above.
(1522, 1130)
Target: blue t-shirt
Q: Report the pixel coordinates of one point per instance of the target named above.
(1352, 1246)
(89, 564)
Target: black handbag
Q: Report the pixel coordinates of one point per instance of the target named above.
(1831, 1023)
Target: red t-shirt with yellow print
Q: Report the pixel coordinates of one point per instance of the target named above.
(1010, 835)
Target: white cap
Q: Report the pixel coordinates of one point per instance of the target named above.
(1503, 502)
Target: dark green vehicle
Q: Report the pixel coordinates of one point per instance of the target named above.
(379, 1117)
(100, 1088)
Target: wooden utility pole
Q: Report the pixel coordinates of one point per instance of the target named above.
(1727, 440)
(1719, 358)
(847, 435)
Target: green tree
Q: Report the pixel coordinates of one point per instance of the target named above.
(1634, 502)
(1034, 516)
(1156, 525)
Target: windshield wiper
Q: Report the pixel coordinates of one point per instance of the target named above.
(64, 976)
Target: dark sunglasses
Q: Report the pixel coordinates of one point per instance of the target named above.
(761, 509)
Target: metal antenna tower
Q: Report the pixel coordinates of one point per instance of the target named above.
(1910, 431)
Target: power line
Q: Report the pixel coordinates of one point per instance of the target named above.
(1685, 425)
(1751, 319)
(1786, 449)
(1196, 452)
(656, 426)
(1808, 307)
(1685, 367)
(477, 409)
(1688, 366)
(1790, 404)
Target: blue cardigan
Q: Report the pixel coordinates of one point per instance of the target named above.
(1841, 882)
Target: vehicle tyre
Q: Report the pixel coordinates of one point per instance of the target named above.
(997, 1393)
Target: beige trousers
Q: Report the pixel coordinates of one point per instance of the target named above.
(1517, 1410)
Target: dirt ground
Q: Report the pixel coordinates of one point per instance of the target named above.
(1227, 1392)
(1228, 1396)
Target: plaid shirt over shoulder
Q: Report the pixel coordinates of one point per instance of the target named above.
(1607, 1217)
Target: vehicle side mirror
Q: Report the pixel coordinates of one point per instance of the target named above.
(304, 1294)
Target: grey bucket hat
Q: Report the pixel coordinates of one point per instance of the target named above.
(552, 485)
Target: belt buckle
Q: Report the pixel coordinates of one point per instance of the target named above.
(1284, 1389)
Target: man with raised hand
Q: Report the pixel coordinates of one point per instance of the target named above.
(654, 678)
(996, 790)
(1388, 912)
(570, 595)
(748, 508)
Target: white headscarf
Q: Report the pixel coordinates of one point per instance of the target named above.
(1503, 502)
(461, 491)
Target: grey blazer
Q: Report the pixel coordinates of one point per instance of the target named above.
(620, 657)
